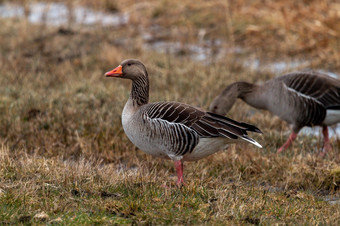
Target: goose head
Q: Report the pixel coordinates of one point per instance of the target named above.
(223, 102)
(129, 69)
(221, 105)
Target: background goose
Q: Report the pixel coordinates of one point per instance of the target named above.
(299, 98)
(173, 130)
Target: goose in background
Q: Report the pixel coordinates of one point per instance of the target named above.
(299, 98)
(174, 130)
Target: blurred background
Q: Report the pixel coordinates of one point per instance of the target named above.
(53, 55)
(58, 114)
(262, 35)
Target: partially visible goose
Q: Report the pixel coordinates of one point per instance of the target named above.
(173, 130)
(299, 98)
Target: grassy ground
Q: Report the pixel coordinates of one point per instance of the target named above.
(64, 157)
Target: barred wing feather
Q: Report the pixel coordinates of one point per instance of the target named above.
(204, 124)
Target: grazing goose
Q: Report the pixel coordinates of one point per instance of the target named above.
(173, 130)
(299, 98)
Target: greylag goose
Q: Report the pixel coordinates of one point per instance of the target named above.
(299, 98)
(173, 130)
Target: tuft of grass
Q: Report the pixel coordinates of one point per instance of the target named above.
(87, 192)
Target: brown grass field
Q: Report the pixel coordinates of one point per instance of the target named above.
(64, 157)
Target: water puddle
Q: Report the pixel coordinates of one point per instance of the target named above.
(317, 131)
(277, 67)
(329, 73)
(59, 14)
(206, 51)
(198, 52)
(332, 200)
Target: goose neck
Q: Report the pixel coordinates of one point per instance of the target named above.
(140, 91)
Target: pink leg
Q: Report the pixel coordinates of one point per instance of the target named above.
(290, 140)
(179, 169)
(326, 146)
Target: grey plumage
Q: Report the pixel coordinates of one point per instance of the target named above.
(300, 98)
(170, 129)
(182, 125)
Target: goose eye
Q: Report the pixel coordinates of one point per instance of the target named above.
(129, 64)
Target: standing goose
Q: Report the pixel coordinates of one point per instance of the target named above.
(299, 98)
(173, 130)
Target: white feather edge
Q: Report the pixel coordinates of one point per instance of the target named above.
(250, 140)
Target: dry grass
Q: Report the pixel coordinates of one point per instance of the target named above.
(64, 156)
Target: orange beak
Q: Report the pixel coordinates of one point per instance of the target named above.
(117, 72)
